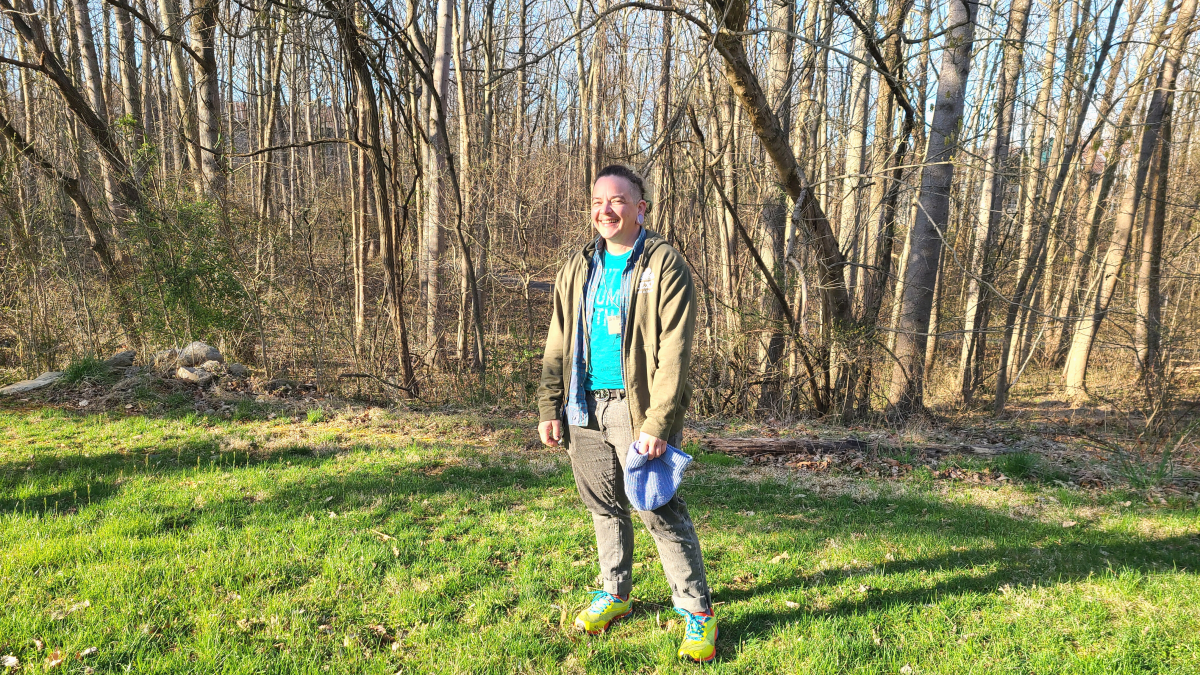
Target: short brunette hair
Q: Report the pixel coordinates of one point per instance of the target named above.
(622, 171)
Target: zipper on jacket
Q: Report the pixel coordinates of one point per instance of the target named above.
(641, 265)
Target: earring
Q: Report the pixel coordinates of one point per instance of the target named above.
(641, 218)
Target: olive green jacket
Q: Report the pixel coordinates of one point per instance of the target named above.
(656, 342)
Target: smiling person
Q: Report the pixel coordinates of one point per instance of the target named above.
(616, 369)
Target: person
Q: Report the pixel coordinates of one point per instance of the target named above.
(615, 365)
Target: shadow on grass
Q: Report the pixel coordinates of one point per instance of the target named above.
(1028, 552)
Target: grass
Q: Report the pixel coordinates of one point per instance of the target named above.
(196, 544)
(88, 369)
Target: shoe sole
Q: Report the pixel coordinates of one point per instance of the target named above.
(606, 626)
(716, 634)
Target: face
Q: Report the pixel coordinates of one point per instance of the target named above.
(615, 209)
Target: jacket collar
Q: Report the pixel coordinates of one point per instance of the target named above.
(646, 240)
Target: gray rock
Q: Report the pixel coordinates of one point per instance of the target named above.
(121, 359)
(43, 380)
(193, 375)
(214, 367)
(237, 370)
(165, 362)
(198, 352)
(278, 385)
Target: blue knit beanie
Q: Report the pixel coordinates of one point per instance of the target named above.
(650, 483)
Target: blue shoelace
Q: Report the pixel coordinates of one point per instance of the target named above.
(601, 600)
(695, 624)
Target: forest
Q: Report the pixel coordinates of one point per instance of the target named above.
(885, 206)
(276, 280)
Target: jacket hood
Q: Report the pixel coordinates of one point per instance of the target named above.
(653, 240)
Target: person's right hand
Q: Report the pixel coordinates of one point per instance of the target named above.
(551, 432)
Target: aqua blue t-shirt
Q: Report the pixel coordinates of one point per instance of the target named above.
(604, 343)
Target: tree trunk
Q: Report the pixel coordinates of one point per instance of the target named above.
(85, 36)
(208, 97)
(1148, 329)
(774, 208)
(661, 220)
(906, 391)
(131, 92)
(1160, 104)
(29, 27)
(856, 149)
(1048, 217)
(275, 59)
(596, 107)
(437, 209)
(389, 248)
(991, 195)
(742, 79)
(1087, 224)
(189, 127)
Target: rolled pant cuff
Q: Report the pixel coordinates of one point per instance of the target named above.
(693, 605)
(617, 588)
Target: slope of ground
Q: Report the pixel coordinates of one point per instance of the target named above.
(369, 541)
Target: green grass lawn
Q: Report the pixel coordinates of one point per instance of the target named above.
(411, 543)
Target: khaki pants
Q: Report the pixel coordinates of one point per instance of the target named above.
(597, 454)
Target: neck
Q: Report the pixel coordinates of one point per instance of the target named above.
(621, 245)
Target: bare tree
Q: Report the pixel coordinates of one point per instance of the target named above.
(933, 210)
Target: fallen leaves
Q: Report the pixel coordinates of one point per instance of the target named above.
(791, 605)
(9, 661)
(55, 659)
(1069, 523)
(59, 615)
(780, 558)
(88, 652)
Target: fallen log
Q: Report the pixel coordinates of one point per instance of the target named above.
(817, 446)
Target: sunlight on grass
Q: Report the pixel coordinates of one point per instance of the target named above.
(192, 543)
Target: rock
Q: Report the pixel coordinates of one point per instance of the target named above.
(193, 375)
(237, 370)
(23, 386)
(165, 362)
(214, 367)
(279, 384)
(121, 359)
(199, 352)
(131, 381)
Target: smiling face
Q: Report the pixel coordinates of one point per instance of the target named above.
(616, 206)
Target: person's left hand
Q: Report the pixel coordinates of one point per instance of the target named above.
(651, 447)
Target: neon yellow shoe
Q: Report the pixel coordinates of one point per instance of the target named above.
(699, 637)
(606, 608)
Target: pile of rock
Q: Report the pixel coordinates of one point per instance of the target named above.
(198, 363)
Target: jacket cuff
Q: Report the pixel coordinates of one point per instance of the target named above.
(656, 428)
(548, 413)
